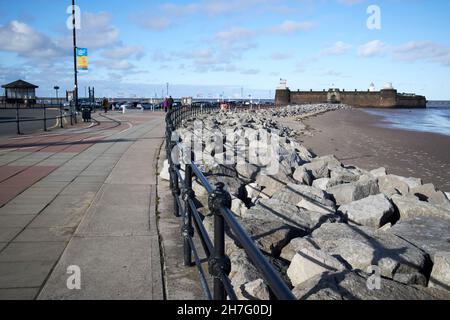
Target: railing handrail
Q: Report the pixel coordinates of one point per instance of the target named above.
(222, 215)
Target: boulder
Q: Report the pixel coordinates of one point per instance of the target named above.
(440, 276)
(428, 193)
(344, 175)
(312, 205)
(373, 211)
(380, 172)
(242, 271)
(255, 290)
(302, 176)
(317, 169)
(347, 193)
(164, 174)
(273, 183)
(247, 171)
(353, 285)
(411, 207)
(362, 247)
(308, 263)
(321, 184)
(271, 236)
(275, 210)
(392, 184)
(427, 233)
(295, 193)
(238, 207)
(295, 246)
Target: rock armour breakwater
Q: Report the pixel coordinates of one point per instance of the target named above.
(323, 225)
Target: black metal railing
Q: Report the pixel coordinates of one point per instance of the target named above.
(59, 114)
(219, 203)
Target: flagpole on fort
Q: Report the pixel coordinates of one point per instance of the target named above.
(75, 58)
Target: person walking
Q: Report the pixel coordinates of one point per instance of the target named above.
(166, 104)
(170, 103)
(105, 104)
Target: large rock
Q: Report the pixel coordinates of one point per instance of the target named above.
(344, 175)
(238, 207)
(380, 172)
(373, 211)
(273, 183)
(392, 184)
(301, 175)
(164, 174)
(353, 285)
(308, 263)
(271, 236)
(242, 271)
(294, 194)
(440, 276)
(411, 207)
(304, 220)
(321, 184)
(347, 193)
(255, 290)
(428, 233)
(247, 170)
(428, 192)
(362, 247)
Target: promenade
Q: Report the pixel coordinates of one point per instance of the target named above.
(83, 197)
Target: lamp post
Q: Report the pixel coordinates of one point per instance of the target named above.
(74, 27)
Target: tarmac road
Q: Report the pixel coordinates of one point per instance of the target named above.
(26, 127)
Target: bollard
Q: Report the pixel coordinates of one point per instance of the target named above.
(219, 264)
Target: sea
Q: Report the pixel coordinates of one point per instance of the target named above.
(434, 119)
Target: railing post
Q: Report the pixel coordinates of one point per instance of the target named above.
(45, 119)
(17, 117)
(188, 230)
(61, 117)
(219, 264)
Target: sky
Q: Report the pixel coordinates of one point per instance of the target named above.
(234, 48)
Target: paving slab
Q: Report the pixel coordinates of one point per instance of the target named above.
(49, 234)
(19, 294)
(110, 269)
(24, 274)
(32, 251)
(7, 234)
(15, 221)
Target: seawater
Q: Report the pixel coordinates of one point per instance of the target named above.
(435, 118)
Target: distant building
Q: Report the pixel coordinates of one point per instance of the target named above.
(388, 97)
(20, 92)
(372, 87)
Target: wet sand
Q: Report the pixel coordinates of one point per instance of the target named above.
(353, 137)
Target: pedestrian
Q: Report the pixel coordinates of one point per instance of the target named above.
(105, 104)
(170, 103)
(166, 104)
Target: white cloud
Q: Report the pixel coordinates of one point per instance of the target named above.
(372, 49)
(281, 55)
(337, 48)
(289, 26)
(233, 35)
(423, 50)
(22, 39)
(153, 23)
(124, 52)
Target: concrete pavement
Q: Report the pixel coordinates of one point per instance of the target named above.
(84, 197)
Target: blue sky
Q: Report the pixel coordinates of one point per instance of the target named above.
(209, 47)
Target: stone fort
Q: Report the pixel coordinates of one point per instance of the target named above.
(388, 97)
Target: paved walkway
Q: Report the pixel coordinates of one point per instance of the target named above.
(82, 197)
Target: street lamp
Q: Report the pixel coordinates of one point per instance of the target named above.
(56, 89)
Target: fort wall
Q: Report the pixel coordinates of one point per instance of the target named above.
(386, 98)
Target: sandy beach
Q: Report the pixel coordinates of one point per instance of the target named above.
(353, 137)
